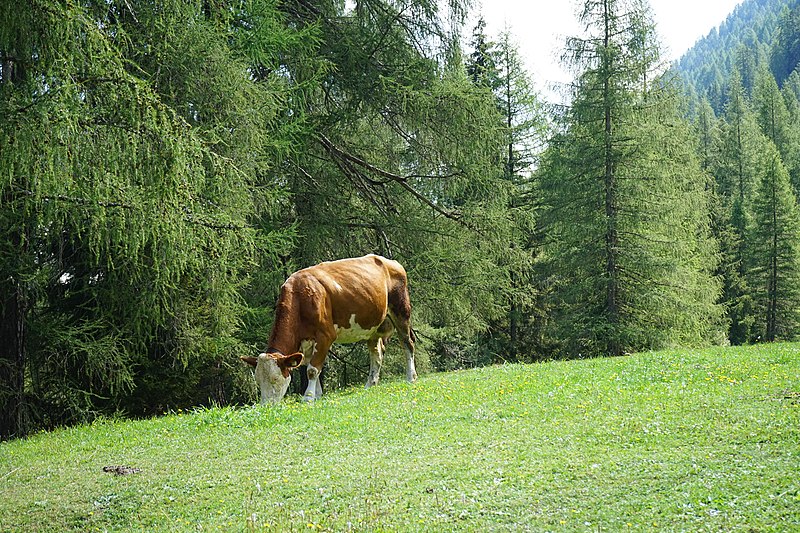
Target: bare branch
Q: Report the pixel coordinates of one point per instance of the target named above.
(342, 155)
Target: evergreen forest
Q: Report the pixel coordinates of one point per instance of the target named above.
(165, 165)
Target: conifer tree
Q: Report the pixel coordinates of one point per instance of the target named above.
(736, 175)
(792, 84)
(774, 253)
(480, 65)
(792, 155)
(627, 208)
(522, 115)
(775, 120)
(404, 159)
(786, 48)
(132, 141)
(521, 107)
(741, 141)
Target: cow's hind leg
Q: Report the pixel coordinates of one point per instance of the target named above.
(400, 312)
(407, 340)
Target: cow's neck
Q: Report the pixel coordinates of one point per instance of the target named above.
(284, 338)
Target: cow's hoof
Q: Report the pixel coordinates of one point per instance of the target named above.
(309, 398)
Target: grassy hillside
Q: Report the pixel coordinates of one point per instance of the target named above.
(688, 440)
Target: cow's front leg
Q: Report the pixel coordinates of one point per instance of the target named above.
(375, 361)
(316, 359)
(314, 389)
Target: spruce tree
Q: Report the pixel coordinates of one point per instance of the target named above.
(480, 65)
(736, 174)
(792, 156)
(522, 115)
(775, 120)
(786, 47)
(526, 127)
(774, 253)
(707, 128)
(792, 84)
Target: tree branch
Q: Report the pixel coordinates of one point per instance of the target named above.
(189, 216)
(342, 155)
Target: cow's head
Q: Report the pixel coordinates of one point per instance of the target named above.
(272, 373)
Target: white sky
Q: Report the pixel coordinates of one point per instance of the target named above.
(540, 28)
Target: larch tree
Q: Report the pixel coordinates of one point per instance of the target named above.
(770, 109)
(741, 141)
(131, 144)
(403, 159)
(627, 212)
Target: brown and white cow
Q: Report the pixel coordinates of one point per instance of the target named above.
(345, 301)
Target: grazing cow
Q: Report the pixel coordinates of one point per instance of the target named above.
(345, 301)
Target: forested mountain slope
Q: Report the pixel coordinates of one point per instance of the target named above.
(757, 32)
(743, 84)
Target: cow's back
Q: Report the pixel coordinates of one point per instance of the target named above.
(349, 289)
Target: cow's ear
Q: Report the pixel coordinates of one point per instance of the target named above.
(252, 361)
(291, 361)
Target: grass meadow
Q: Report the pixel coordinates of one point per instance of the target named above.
(687, 440)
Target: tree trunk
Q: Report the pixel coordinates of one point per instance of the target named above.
(612, 236)
(12, 356)
(772, 291)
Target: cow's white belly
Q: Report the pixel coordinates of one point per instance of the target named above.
(353, 333)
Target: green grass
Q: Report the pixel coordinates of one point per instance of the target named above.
(670, 441)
